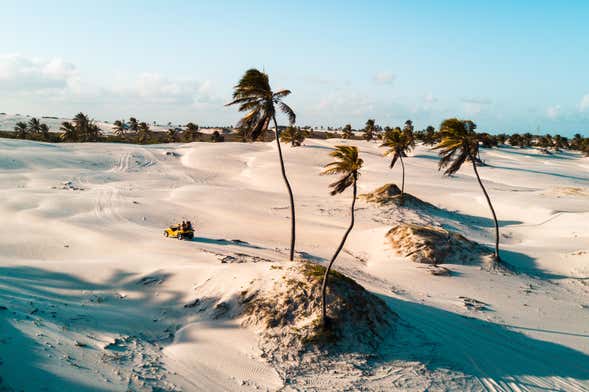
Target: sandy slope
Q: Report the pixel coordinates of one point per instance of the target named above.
(83, 259)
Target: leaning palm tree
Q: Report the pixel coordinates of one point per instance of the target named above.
(254, 95)
(399, 143)
(21, 130)
(348, 164)
(69, 132)
(460, 143)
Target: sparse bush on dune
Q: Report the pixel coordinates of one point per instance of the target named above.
(434, 245)
(293, 135)
(289, 317)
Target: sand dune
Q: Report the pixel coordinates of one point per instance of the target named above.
(95, 298)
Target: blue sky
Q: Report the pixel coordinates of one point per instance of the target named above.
(506, 65)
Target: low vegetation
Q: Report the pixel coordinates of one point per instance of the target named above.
(289, 316)
(433, 245)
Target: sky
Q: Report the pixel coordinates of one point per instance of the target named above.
(509, 66)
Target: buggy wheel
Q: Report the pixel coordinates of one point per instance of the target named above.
(166, 234)
(180, 236)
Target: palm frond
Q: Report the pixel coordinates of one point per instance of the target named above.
(292, 117)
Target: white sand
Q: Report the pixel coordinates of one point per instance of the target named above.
(72, 262)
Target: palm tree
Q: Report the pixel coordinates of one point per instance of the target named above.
(34, 126)
(460, 143)
(560, 142)
(87, 130)
(576, 142)
(82, 124)
(133, 124)
(348, 164)
(21, 130)
(399, 143)
(408, 128)
(70, 134)
(191, 132)
(216, 137)
(369, 130)
(347, 131)
(293, 135)
(527, 139)
(44, 132)
(172, 135)
(254, 95)
(119, 128)
(143, 132)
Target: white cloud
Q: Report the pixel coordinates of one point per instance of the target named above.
(20, 74)
(553, 111)
(58, 80)
(384, 77)
(584, 104)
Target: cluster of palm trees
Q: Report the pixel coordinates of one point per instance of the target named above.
(430, 136)
(80, 129)
(33, 129)
(140, 132)
(456, 141)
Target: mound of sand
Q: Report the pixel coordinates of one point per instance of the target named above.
(433, 245)
(388, 193)
(287, 318)
(391, 193)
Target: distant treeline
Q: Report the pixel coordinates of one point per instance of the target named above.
(83, 129)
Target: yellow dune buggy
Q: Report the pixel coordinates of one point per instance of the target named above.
(175, 231)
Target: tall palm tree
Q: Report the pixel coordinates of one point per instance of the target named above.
(460, 143)
(399, 143)
(70, 134)
(254, 95)
(347, 164)
(21, 129)
(119, 128)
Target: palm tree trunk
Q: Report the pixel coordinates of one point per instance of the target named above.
(290, 195)
(476, 172)
(339, 248)
(403, 180)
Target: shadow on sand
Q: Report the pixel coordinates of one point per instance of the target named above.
(36, 300)
(224, 242)
(485, 349)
